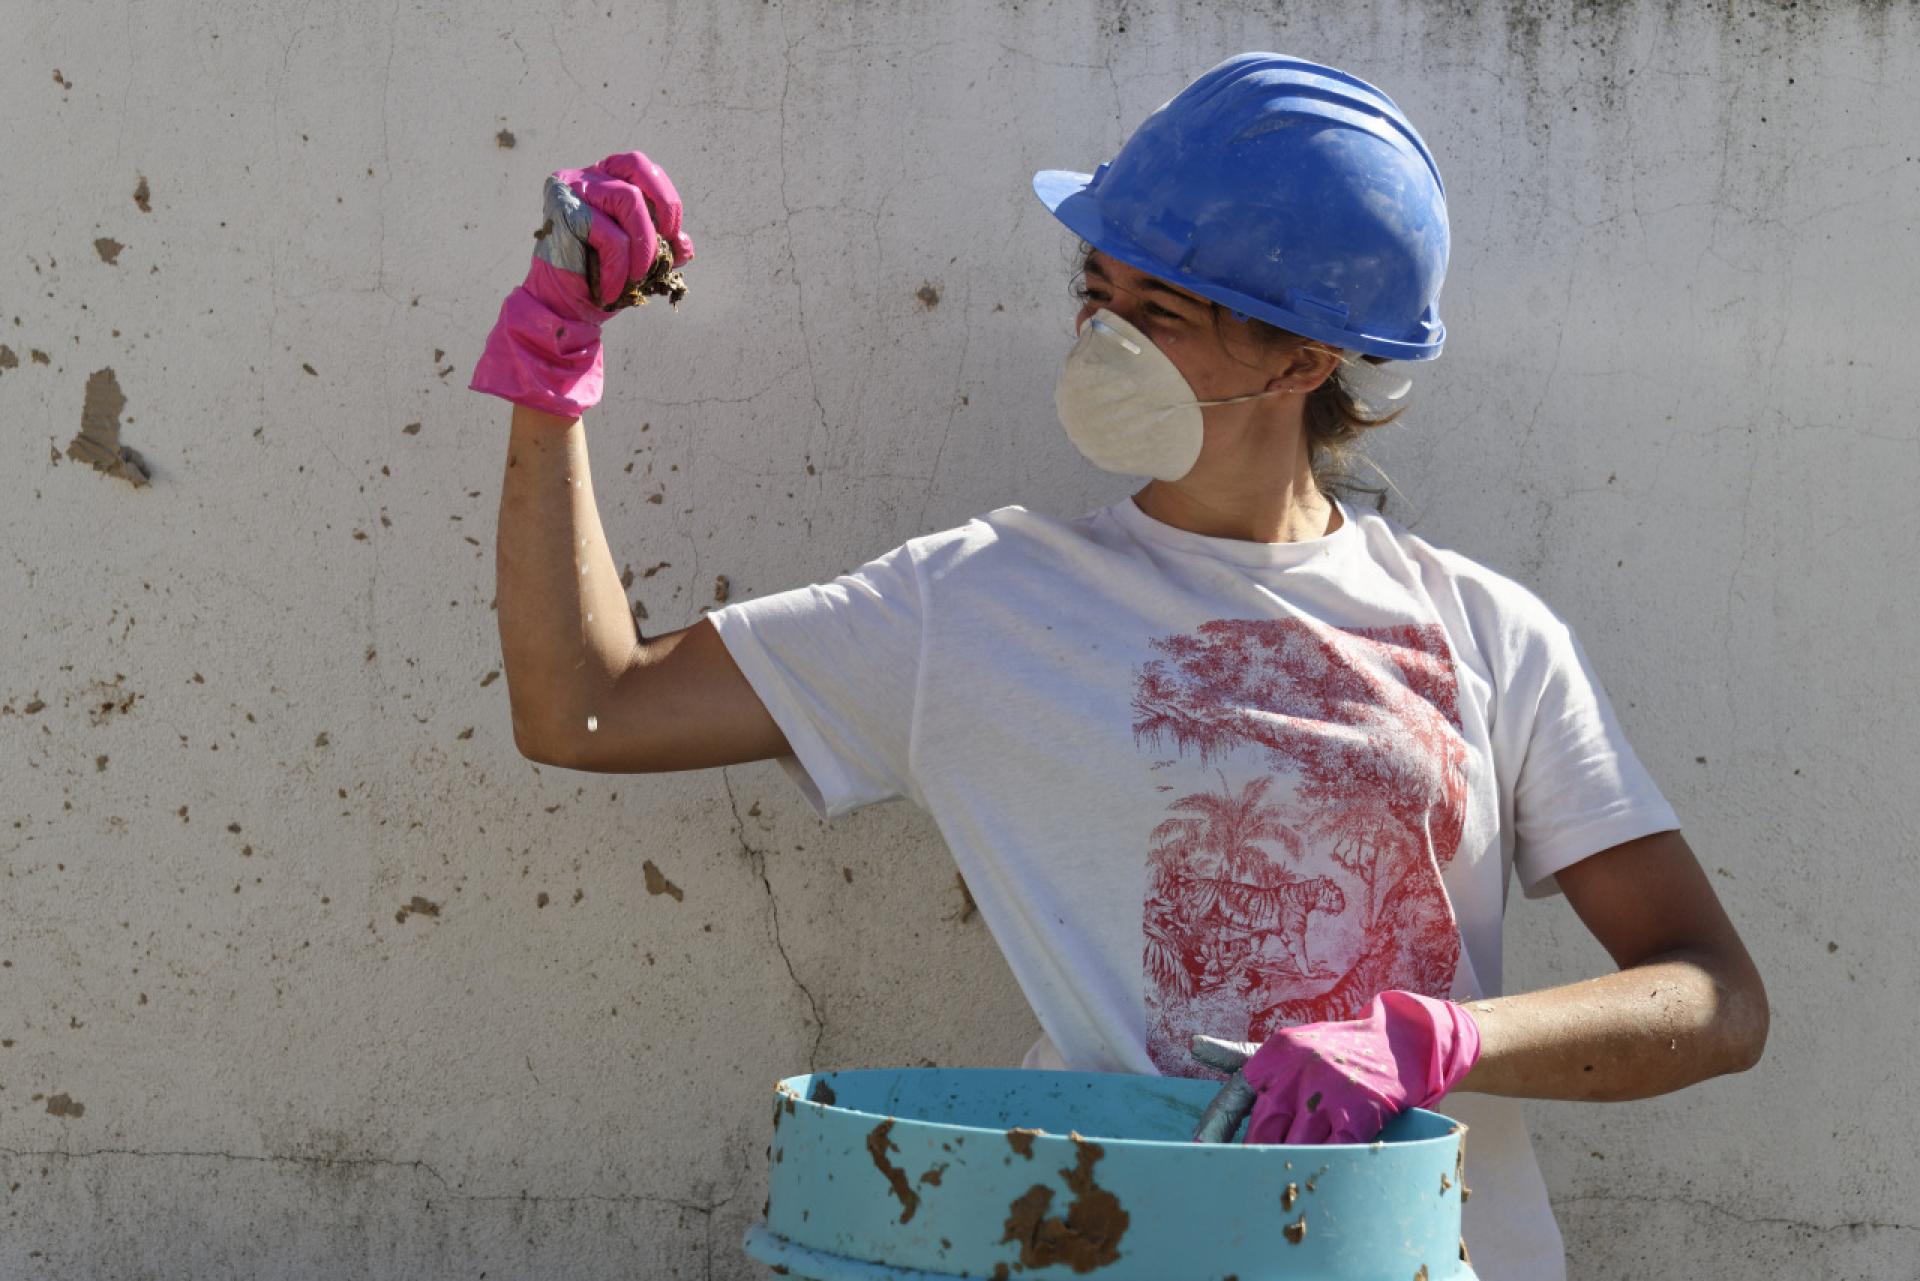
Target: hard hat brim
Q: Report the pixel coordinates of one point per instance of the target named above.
(1066, 196)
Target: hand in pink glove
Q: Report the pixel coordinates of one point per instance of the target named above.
(1340, 1082)
(602, 231)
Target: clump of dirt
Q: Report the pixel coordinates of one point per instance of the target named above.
(1288, 1197)
(61, 1105)
(967, 906)
(419, 906)
(878, 1145)
(1296, 1232)
(143, 195)
(106, 699)
(661, 280)
(1087, 1237)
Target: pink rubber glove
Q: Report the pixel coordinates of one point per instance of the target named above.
(1342, 1082)
(602, 222)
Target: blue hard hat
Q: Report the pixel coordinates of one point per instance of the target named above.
(1284, 190)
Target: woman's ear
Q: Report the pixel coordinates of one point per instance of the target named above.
(1307, 367)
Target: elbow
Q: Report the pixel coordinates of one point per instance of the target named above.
(1745, 1018)
(1753, 1043)
(534, 742)
(532, 750)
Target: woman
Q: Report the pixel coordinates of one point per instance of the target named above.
(1229, 757)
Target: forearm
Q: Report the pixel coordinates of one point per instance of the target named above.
(565, 632)
(1650, 1029)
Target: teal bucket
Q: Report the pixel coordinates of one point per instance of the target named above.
(933, 1174)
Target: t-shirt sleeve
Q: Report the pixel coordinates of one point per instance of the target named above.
(837, 665)
(1576, 786)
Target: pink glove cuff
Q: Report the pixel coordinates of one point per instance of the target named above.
(1341, 1082)
(543, 352)
(1426, 1029)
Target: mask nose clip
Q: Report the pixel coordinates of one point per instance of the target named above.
(1133, 348)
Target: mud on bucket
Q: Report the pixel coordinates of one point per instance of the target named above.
(934, 1174)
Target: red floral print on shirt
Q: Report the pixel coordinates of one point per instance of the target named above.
(1296, 892)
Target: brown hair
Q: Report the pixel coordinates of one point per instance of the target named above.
(1332, 418)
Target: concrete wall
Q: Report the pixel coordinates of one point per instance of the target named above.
(278, 994)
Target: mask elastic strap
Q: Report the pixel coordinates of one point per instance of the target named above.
(1234, 400)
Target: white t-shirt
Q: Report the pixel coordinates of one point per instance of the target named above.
(1208, 785)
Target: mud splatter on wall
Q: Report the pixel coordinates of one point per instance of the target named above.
(98, 442)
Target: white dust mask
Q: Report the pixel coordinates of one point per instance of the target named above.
(1374, 388)
(1126, 406)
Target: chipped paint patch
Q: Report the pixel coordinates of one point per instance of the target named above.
(657, 883)
(99, 440)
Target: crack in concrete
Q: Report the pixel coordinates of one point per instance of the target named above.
(757, 859)
(1716, 1207)
(793, 259)
(270, 1158)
